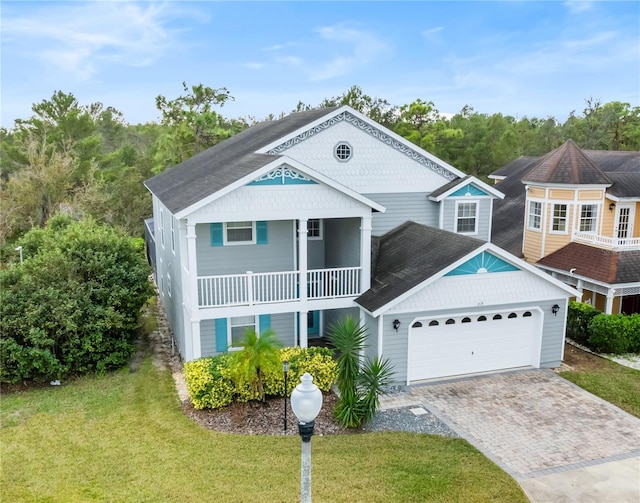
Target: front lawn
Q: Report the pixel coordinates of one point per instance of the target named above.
(124, 438)
(614, 383)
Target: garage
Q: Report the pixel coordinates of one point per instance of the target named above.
(469, 343)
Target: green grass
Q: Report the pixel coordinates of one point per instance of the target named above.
(123, 438)
(614, 383)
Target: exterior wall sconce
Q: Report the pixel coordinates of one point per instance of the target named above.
(396, 324)
(554, 309)
(612, 206)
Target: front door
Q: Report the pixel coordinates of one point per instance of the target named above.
(313, 323)
(624, 221)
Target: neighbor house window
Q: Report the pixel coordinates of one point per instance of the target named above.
(343, 151)
(559, 222)
(314, 228)
(535, 215)
(239, 326)
(466, 219)
(588, 217)
(239, 232)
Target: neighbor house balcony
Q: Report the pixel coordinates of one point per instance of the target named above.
(272, 287)
(607, 242)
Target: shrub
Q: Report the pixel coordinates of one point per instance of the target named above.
(208, 382)
(614, 333)
(73, 305)
(579, 317)
(211, 383)
(360, 382)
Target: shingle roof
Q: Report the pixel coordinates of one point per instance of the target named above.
(601, 265)
(567, 164)
(448, 186)
(624, 184)
(217, 167)
(408, 255)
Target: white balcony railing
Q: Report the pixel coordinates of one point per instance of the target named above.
(270, 287)
(607, 241)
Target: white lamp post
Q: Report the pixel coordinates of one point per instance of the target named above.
(306, 402)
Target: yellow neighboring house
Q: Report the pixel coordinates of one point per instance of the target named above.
(576, 214)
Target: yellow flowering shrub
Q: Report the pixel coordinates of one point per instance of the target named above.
(211, 386)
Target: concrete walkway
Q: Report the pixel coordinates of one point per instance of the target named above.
(561, 443)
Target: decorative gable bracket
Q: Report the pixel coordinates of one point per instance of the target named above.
(283, 175)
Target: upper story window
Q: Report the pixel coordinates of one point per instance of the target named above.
(314, 228)
(559, 221)
(467, 217)
(588, 217)
(343, 151)
(535, 215)
(239, 232)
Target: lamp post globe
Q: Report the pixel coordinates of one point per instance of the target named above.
(306, 402)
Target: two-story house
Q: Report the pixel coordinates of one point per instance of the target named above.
(292, 224)
(576, 214)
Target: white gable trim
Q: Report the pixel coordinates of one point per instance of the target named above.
(499, 252)
(279, 161)
(367, 125)
(472, 180)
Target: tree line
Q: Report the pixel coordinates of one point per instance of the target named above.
(86, 160)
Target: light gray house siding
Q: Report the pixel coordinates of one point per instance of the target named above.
(484, 216)
(342, 242)
(553, 330)
(414, 206)
(276, 255)
(371, 324)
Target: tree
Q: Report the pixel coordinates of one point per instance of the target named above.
(259, 355)
(191, 125)
(360, 382)
(380, 110)
(73, 305)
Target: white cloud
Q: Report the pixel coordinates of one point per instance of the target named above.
(254, 66)
(360, 48)
(577, 6)
(79, 38)
(433, 34)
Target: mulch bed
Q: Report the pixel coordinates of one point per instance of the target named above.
(254, 418)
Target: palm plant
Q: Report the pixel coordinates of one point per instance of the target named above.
(360, 382)
(259, 354)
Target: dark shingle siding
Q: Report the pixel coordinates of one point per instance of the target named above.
(408, 255)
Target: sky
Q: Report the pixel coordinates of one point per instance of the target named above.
(518, 58)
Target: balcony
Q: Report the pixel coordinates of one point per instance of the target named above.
(607, 242)
(272, 287)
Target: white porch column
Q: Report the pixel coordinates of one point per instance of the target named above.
(304, 329)
(302, 260)
(192, 339)
(365, 254)
(580, 288)
(609, 306)
(196, 351)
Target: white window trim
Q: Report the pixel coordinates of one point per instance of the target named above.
(169, 284)
(320, 230)
(173, 235)
(594, 229)
(230, 331)
(476, 202)
(529, 214)
(161, 226)
(566, 219)
(226, 242)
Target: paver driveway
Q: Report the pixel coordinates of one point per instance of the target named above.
(530, 422)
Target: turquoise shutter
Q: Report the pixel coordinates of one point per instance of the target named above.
(261, 233)
(265, 322)
(217, 238)
(222, 345)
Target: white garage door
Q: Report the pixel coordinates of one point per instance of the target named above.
(454, 345)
